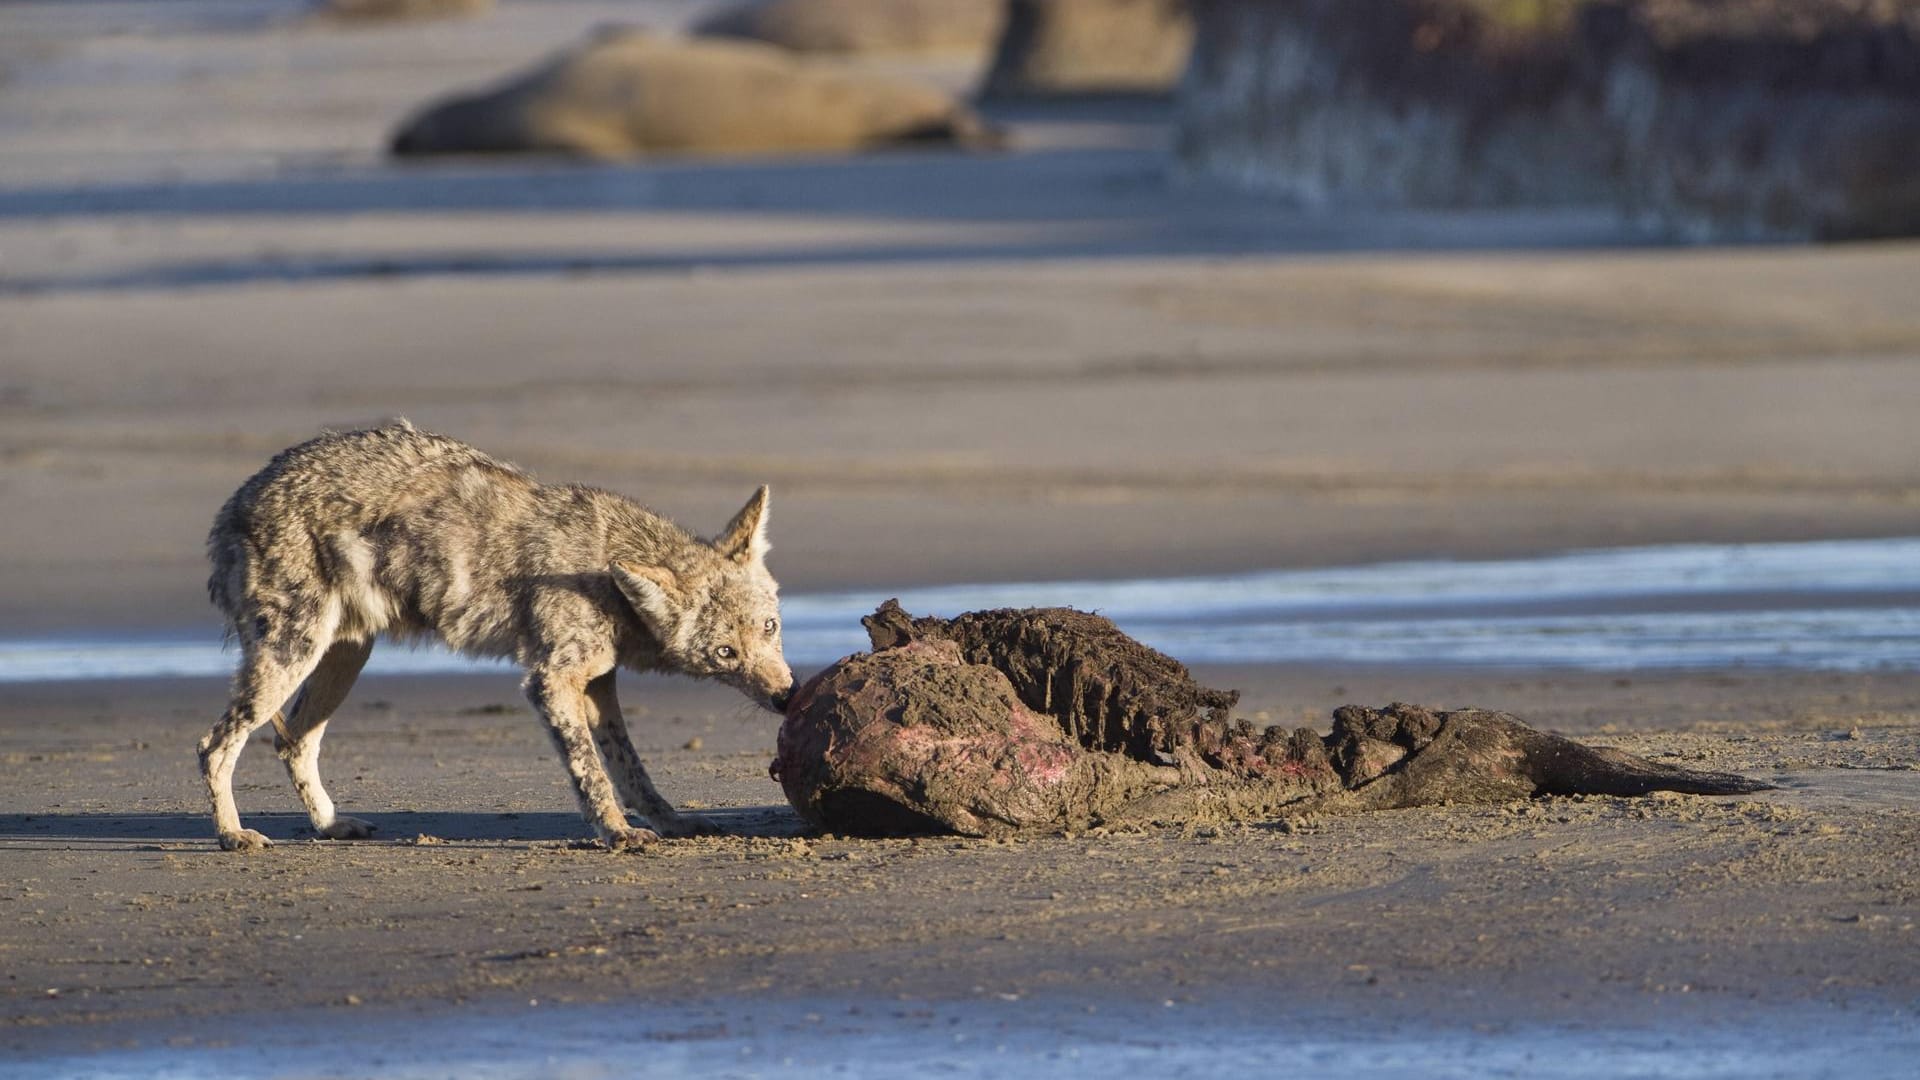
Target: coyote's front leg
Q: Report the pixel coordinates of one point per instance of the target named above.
(630, 777)
(559, 695)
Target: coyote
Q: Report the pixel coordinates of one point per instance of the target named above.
(400, 532)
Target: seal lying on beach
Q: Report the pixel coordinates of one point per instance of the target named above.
(626, 93)
(1049, 719)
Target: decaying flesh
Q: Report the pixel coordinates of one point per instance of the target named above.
(1049, 719)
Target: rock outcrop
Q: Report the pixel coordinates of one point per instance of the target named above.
(1073, 48)
(374, 11)
(864, 27)
(1722, 119)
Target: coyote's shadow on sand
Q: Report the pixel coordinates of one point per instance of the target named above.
(119, 831)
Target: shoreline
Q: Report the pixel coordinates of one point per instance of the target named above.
(989, 1033)
(1825, 606)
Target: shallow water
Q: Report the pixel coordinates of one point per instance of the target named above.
(771, 1038)
(1847, 605)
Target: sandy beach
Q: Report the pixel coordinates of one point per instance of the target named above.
(1594, 914)
(1050, 363)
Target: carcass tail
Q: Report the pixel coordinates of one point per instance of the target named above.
(1563, 767)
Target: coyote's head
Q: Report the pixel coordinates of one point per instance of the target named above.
(718, 617)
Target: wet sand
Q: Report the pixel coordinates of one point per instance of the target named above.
(1046, 364)
(129, 923)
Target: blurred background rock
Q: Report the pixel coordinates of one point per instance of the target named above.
(864, 27)
(1055, 48)
(1719, 119)
(360, 11)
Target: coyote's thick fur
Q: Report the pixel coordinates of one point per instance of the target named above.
(399, 532)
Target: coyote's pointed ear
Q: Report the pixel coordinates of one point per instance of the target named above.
(654, 593)
(745, 538)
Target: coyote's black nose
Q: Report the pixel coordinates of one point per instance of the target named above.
(779, 700)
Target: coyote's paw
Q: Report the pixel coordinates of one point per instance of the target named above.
(348, 828)
(631, 839)
(680, 825)
(244, 840)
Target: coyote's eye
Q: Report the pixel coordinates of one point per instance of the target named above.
(724, 652)
(772, 625)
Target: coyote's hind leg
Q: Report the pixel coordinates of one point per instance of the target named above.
(629, 776)
(297, 738)
(271, 669)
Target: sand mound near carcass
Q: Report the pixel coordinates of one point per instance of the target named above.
(1048, 719)
(626, 94)
(888, 27)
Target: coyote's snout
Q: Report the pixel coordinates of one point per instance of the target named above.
(402, 533)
